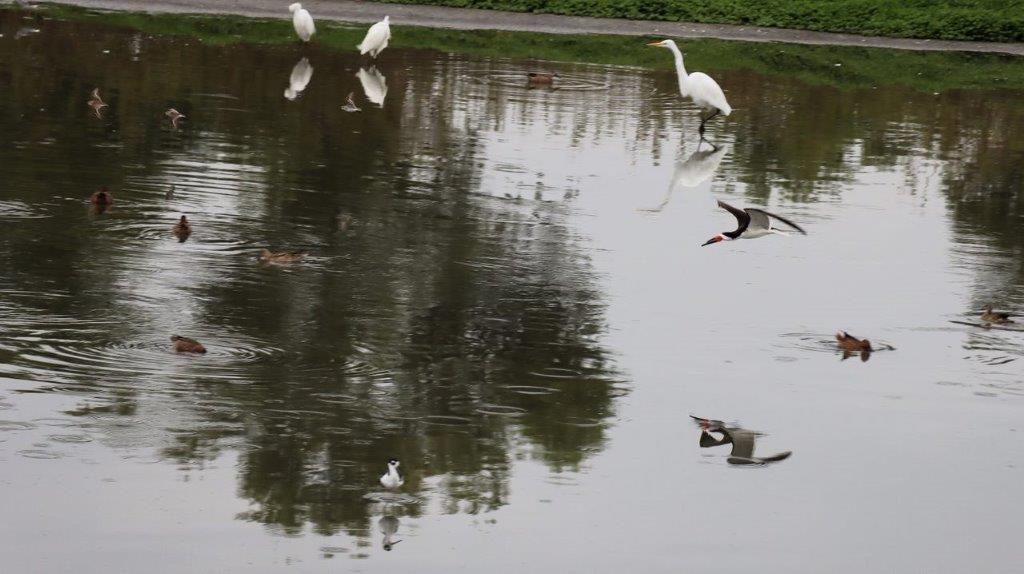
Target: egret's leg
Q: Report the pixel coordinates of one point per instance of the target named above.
(705, 120)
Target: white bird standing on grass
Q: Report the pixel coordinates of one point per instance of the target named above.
(302, 21)
(698, 86)
(376, 38)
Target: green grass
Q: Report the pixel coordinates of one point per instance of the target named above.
(860, 67)
(984, 20)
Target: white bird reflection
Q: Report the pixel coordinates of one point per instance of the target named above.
(302, 73)
(375, 86)
(389, 527)
(693, 171)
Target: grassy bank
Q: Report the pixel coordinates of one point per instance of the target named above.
(982, 20)
(839, 66)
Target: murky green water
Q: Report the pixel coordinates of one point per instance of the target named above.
(505, 290)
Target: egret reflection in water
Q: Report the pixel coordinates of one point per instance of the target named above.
(302, 73)
(742, 441)
(696, 169)
(375, 86)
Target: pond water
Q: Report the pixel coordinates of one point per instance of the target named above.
(505, 289)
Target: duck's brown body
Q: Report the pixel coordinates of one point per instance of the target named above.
(186, 345)
(102, 197)
(541, 78)
(182, 229)
(268, 256)
(990, 316)
(851, 345)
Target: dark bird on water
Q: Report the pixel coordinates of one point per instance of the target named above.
(851, 345)
(186, 345)
(542, 78)
(102, 197)
(999, 318)
(182, 229)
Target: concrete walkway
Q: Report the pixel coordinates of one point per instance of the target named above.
(469, 19)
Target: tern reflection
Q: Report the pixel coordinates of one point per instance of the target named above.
(389, 527)
(693, 171)
(742, 441)
(302, 73)
(375, 86)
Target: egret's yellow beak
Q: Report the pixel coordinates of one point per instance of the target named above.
(654, 43)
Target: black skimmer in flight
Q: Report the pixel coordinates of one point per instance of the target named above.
(752, 223)
(742, 441)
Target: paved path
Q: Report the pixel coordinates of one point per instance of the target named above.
(469, 19)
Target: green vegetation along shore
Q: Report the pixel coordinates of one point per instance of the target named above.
(840, 66)
(979, 20)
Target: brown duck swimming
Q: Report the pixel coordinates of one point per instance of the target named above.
(851, 345)
(990, 316)
(102, 197)
(182, 229)
(282, 257)
(542, 78)
(186, 345)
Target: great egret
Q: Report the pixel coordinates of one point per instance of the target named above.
(375, 86)
(695, 170)
(698, 86)
(376, 38)
(302, 21)
(302, 73)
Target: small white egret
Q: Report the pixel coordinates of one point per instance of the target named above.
(698, 86)
(375, 86)
(302, 73)
(302, 21)
(376, 38)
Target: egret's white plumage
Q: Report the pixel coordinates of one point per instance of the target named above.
(376, 38)
(375, 86)
(302, 21)
(698, 86)
(302, 73)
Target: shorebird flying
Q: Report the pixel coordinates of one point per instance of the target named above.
(350, 104)
(175, 115)
(742, 441)
(96, 102)
(392, 479)
(752, 223)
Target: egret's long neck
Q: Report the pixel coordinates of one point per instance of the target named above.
(680, 68)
